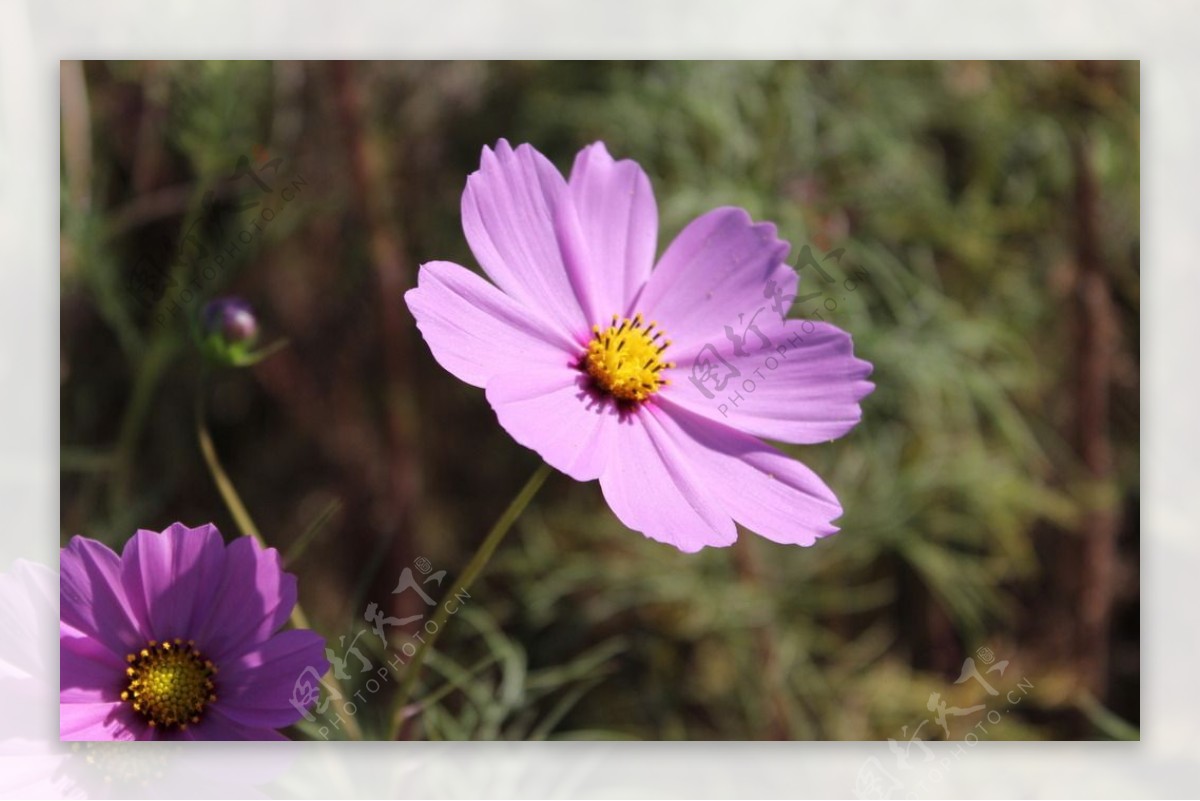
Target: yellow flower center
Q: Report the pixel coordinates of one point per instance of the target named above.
(170, 683)
(625, 359)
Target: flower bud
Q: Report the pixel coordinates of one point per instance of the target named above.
(228, 330)
(232, 320)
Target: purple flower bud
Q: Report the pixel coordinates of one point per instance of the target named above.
(231, 319)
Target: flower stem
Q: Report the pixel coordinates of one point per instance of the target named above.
(245, 524)
(152, 365)
(465, 580)
(229, 493)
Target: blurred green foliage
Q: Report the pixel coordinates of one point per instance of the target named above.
(951, 190)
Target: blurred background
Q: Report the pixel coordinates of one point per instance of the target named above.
(986, 214)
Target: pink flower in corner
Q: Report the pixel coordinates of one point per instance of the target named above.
(617, 368)
(177, 638)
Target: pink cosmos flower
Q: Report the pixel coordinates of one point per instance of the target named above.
(655, 378)
(177, 638)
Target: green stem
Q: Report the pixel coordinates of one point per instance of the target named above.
(245, 524)
(465, 580)
(153, 365)
(241, 516)
(149, 373)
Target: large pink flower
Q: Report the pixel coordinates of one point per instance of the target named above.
(657, 379)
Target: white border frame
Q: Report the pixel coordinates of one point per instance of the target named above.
(36, 34)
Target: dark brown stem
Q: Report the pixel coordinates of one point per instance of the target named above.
(369, 177)
(1096, 343)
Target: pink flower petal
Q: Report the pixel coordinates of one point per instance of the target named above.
(651, 486)
(88, 672)
(215, 726)
(256, 690)
(476, 331)
(100, 721)
(801, 385)
(253, 598)
(763, 489)
(93, 599)
(508, 211)
(552, 411)
(170, 577)
(713, 271)
(608, 242)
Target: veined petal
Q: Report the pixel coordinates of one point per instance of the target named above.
(794, 381)
(93, 598)
(476, 331)
(508, 211)
(218, 727)
(553, 412)
(608, 232)
(256, 690)
(764, 490)
(651, 486)
(88, 671)
(713, 274)
(170, 577)
(100, 721)
(253, 598)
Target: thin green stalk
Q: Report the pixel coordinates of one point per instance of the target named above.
(152, 366)
(1104, 719)
(241, 516)
(298, 547)
(149, 373)
(465, 580)
(245, 524)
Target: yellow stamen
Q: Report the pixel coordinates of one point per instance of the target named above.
(625, 360)
(170, 683)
